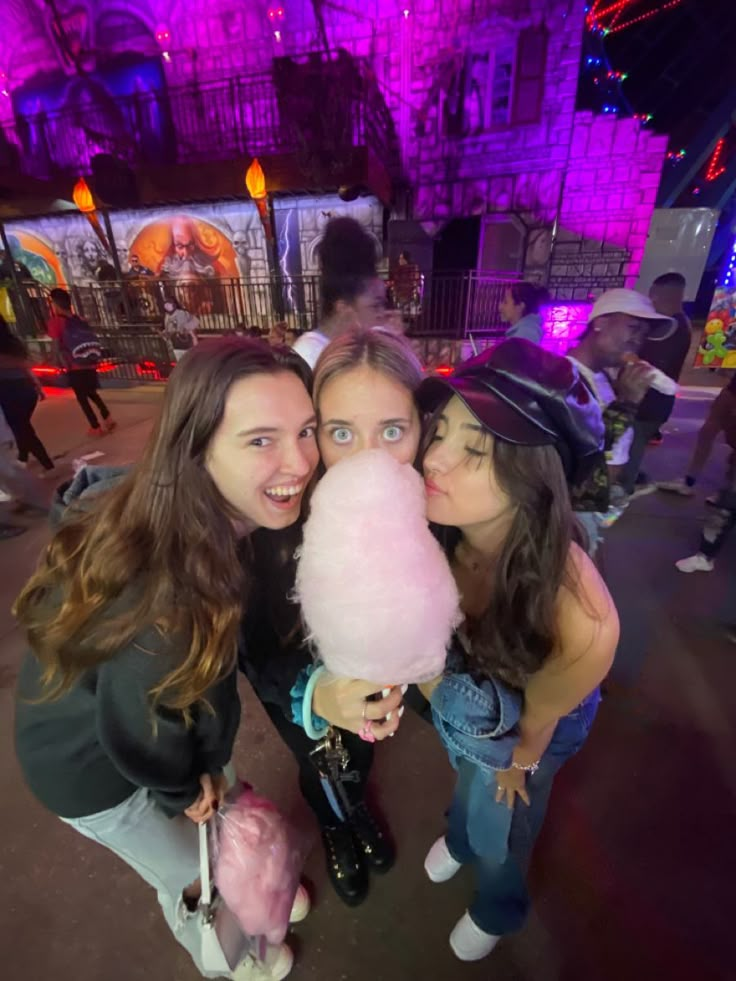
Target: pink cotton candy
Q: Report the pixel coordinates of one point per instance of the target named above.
(375, 588)
(257, 866)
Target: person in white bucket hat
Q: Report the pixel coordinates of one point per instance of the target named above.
(606, 355)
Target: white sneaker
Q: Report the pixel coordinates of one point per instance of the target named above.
(642, 490)
(695, 563)
(301, 907)
(676, 487)
(439, 863)
(277, 964)
(469, 942)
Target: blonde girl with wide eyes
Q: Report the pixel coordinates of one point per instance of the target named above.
(364, 396)
(364, 386)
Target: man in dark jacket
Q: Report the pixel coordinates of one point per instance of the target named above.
(667, 353)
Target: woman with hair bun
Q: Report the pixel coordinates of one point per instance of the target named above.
(351, 293)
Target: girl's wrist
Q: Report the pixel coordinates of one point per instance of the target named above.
(317, 701)
(530, 768)
(302, 702)
(525, 758)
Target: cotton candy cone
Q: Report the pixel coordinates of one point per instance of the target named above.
(376, 591)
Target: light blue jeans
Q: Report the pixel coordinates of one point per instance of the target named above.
(163, 851)
(498, 842)
(590, 523)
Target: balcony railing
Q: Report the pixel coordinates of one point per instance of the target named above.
(307, 104)
(449, 305)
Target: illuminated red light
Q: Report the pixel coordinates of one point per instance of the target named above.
(444, 370)
(42, 369)
(716, 167)
(51, 371)
(152, 370)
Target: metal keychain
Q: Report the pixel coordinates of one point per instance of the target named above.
(331, 759)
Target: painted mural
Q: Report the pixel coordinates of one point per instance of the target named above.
(38, 257)
(198, 253)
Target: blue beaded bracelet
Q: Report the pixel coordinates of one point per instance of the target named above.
(301, 702)
(307, 716)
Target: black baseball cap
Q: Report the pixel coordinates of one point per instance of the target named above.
(525, 395)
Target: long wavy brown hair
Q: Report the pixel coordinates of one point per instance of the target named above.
(161, 549)
(518, 630)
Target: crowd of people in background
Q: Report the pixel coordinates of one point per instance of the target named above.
(527, 457)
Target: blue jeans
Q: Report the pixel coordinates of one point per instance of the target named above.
(498, 842)
(590, 523)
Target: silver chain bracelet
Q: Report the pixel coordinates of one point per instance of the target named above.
(531, 768)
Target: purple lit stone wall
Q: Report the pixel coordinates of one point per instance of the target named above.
(482, 95)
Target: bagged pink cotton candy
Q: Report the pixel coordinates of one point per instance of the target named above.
(376, 591)
(257, 866)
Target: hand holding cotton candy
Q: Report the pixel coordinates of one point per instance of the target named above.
(257, 866)
(376, 591)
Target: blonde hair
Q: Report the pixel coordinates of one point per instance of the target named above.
(381, 350)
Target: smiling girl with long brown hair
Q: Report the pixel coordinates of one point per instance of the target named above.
(127, 703)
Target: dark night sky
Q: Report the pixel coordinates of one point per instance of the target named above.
(681, 64)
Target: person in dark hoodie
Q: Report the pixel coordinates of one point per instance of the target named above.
(127, 705)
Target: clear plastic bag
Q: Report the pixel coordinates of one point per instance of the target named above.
(258, 858)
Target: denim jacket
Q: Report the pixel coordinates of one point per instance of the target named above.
(80, 491)
(477, 722)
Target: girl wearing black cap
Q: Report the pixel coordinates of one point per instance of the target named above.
(510, 431)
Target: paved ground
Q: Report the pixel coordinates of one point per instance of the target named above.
(633, 877)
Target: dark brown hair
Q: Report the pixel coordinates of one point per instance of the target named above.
(532, 295)
(347, 262)
(518, 630)
(159, 549)
(61, 298)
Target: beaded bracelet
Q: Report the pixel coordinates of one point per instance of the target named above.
(308, 719)
(297, 692)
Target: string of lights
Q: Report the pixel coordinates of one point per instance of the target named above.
(729, 278)
(601, 82)
(610, 19)
(646, 16)
(716, 167)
